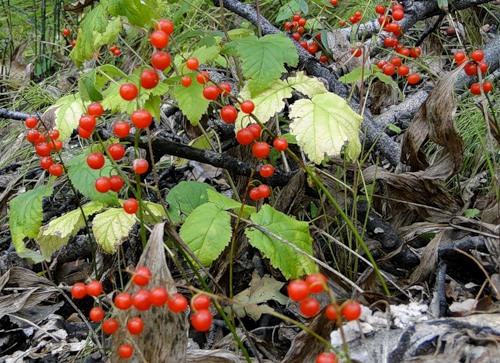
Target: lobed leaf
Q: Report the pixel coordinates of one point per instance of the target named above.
(68, 110)
(191, 101)
(186, 197)
(112, 227)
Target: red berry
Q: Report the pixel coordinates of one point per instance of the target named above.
(79, 290)
(459, 56)
(121, 129)
(159, 39)
(95, 161)
(229, 114)
(141, 118)
(161, 60)
(202, 320)
(351, 310)
(326, 358)
(266, 171)
(245, 136)
(56, 145)
(42, 149)
(149, 79)
(33, 135)
(117, 52)
(302, 21)
(226, 88)
(477, 55)
(177, 303)
(298, 290)
(123, 301)
(334, 2)
(211, 92)
(380, 9)
(483, 67)
(46, 162)
(109, 326)
(390, 42)
(159, 295)
(130, 206)
(470, 69)
(254, 194)
(94, 288)
(309, 307)
(95, 109)
(165, 25)
(140, 166)
(102, 184)
(331, 312)
(296, 36)
(117, 151)
(247, 107)
(116, 182)
(96, 314)
(256, 130)
(73, 43)
(381, 64)
(264, 191)
(413, 78)
(202, 77)
(316, 282)
(313, 48)
(128, 91)
(296, 17)
(389, 69)
(192, 63)
(56, 169)
(186, 81)
(487, 87)
(261, 149)
(280, 144)
(66, 32)
(125, 351)
(142, 300)
(83, 133)
(415, 52)
(31, 122)
(398, 15)
(141, 276)
(396, 61)
(54, 134)
(403, 70)
(135, 326)
(200, 302)
(323, 59)
(475, 89)
(357, 52)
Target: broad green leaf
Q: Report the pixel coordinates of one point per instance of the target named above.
(87, 87)
(96, 30)
(203, 54)
(225, 203)
(152, 104)
(58, 231)
(324, 126)
(112, 227)
(283, 257)
(261, 290)
(264, 59)
(191, 101)
(472, 213)
(356, 75)
(292, 7)
(267, 103)
(207, 231)
(138, 12)
(308, 86)
(239, 33)
(185, 197)
(157, 212)
(68, 110)
(25, 217)
(83, 178)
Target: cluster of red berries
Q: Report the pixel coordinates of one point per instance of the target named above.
(296, 26)
(356, 17)
(115, 50)
(475, 64)
(45, 144)
(395, 65)
(143, 300)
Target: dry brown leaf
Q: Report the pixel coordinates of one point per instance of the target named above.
(78, 6)
(164, 338)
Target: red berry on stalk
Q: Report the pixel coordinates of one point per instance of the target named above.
(31, 122)
(323, 59)
(95, 109)
(177, 303)
(256, 130)
(331, 312)
(380, 9)
(95, 161)
(42, 149)
(123, 301)
(254, 194)
(202, 77)
(470, 69)
(266, 171)
(54, 134)
(161, 60)
(413, 78)
(84, 133)
(116, 182)
(56, 169)
(245, 136)
(149, 79)
(403, 70)
(483, 67)
(309, 307)
(264, 191)
(396, 61)
(477, 55)
(296, 36)
(487, 87)
(200, 302)
(159, 295)
(159, 39)
(247, 107)
(280, 144)
(140, 166)
(141, 118)
(186, 81)
(96, 314)
(316, 282)
(226, 88)
(351, 310)
(142, 300)
(357, 52)
(94, 288)
(389, 69)
(66, 32)
(192, 63)
(261, 149)
(326, 358)
(211, 92)
(202, 320)
(229, 114)
(110, 326)
(298, 290)
(398, 15)
(125, 351)
(131, 205)
(135, 326)
(165, 25)
(128, 91)
(46, 162)
(121, 129)
(79, 290)
(475, 89)
(117, 151)
(459, 56)
(33, 135)
(102, 184)
(141, 276)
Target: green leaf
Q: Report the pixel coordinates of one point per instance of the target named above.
(191, 101)
(261, 290)
(157, 212)
(264, 59)
(286, 11)
(267, 103)
(290, 262)
(138, 12)
(324, 126)
(68, 110)
(356, 75)
(393, 128)
(96, 30)
(112, 227)
(207, 231)
(308, 86)
(225, 203)
(87, 87)
(58, 231)
(472, 213)
(25, 217)
(185, 197)
(83, 178)
(203, 54)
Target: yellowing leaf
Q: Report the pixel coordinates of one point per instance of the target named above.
(264, 59)
(58, 231)
(324, 126)
(157, 212)
(308, 86)
(68, 110)
(112, 227)
(267, 103)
